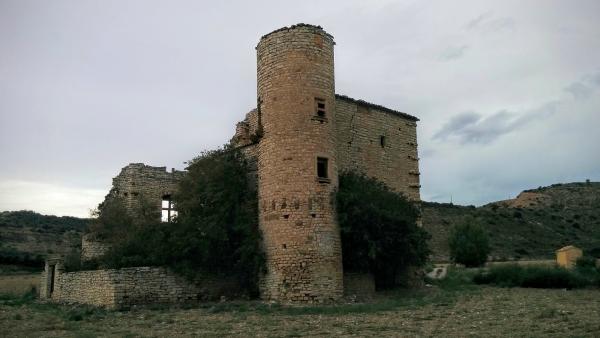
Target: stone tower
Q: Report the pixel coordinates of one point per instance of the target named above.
(297, 165)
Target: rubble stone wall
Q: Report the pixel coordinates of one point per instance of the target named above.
(378, 142)
(138, 181)
(92, 247)
(123, 288)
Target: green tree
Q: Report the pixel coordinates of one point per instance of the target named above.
(217, 226)
(379, 231)
(469, 244)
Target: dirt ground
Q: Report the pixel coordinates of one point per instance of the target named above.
(480, 311)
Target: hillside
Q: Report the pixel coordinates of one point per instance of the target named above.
(26, 237)
(531, 226)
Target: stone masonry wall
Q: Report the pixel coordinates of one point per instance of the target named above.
(94, 287)
(123, 288)
(297, 215)
(92, 248)
(360, 128)
(137, 181)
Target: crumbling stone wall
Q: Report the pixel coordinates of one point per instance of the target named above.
(297, 215)
(92, 247)
(123, 288)
(137, 182)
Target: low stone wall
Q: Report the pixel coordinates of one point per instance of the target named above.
(94, 287)
(123, 288)
(359, 285)
(146, 285)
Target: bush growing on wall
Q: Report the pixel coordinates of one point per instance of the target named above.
(216, 230)
(379, 229)
(217, 226)
(469, 244)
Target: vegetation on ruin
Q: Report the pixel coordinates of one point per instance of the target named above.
(217, 227)
(545, 277)
(469, 244)
(379, 229)
(215, 232)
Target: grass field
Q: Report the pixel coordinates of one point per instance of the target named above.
(448, 310)
(19, 283)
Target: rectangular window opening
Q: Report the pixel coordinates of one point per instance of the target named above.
(382, 141)
(320, 107)
(168, 212)
(322, 170)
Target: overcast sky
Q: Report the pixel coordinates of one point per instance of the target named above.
(508, 92)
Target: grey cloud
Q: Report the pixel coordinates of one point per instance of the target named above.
(86, 89)
(500, 24)
(453, 52)
(458, 122)
(485, 23)
(593, 79)
(584, 88)
(579, 90)
(477, 21)
(473, 128)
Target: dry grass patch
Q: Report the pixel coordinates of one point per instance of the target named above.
(18, 284)
(480, 311)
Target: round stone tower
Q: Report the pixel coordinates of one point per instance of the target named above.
(297, 166)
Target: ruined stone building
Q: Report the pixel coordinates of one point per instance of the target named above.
(301, 135)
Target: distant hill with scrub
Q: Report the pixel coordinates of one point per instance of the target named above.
(26, 237)
(531, 226)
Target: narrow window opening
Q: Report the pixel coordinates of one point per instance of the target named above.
(322, 167)
(382, 141)
(323, 170)
(286, 216)
(320, 107)
(168, 212)
(284, 246)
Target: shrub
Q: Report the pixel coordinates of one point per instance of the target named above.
(532, 277)
(585, 262)
(595, 252)
(379, 232)
(217, 227)
(215, 232)
(469, 244)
